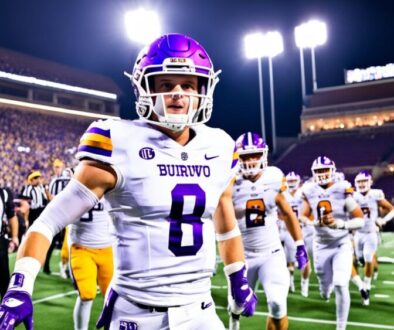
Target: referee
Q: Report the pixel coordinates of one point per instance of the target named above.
(7, 219)
(36, 193)
(39, 197)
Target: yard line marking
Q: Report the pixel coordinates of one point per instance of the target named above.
(386, 260)
(55, 296)
(300, 319)
(308, 320)
(388, 282)
(378, 295)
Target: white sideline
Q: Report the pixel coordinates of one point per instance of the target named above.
(308, 320)
(300, 319)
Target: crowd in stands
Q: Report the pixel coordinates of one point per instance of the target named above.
(32, 141)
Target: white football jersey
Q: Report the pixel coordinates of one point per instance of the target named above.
(328, 200)
(256, 210)
(94, 229)
(369, 206)
(162, 206)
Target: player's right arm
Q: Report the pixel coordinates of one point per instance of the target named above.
(92, 179)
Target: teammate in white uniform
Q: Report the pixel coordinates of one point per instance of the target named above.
(294, 197)
(365, 238)
(334, 212)
(91, 259)
(168, 178)
(288, 246)
(257, 195)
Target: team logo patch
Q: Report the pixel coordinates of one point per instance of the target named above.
(147, 153)
(128, 325)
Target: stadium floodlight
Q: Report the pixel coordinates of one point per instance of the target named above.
(31, 105)
(142, 26)
(310, 35)
(274, 44)
(254, 49)
(259, 45)
(46, 83)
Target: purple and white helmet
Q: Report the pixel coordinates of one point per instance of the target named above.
(293, 181)
(252, 143)
(175, 54)
(323, 170)
(363, 182)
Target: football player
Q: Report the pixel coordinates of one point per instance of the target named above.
(168, 178)
(365, 238)
(293, 196)
(91, 259)
(334, 212)
(257, 194)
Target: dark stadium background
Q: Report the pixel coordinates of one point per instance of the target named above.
(90, 35)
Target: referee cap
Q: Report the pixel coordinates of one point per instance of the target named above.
(34, 175)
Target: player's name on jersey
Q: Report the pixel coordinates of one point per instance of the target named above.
(184, 170)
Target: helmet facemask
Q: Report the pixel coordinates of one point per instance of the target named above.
(252, 164)
(293, 184)
(323, 176)
(151, 105)
(323, 170)
(363, 182)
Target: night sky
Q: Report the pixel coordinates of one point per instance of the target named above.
(90, 35)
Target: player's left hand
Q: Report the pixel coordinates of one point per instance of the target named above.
(241, 298)
(16, 308)
(301, 256)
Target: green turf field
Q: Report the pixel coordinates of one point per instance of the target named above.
(54, 300)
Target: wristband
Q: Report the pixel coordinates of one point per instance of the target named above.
(24, 275)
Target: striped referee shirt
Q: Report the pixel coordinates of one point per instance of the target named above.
(57, 184)
(6, 207)
(36, 195)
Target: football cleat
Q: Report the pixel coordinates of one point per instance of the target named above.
(364, 297)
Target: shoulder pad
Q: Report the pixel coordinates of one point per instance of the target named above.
(96, 142)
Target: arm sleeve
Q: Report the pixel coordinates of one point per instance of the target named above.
(66, 208)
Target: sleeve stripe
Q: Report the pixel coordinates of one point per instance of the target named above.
(103, 132)
(96, 137)
(235, 159)
(94, 150)
(96, 144)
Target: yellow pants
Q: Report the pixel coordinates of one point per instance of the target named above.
(64, 254)
(90, 267)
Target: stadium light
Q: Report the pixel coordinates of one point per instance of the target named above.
(31, 105)
(142, 26)
(46, 83)
(310, 35)
(254, 50)
(259, 45)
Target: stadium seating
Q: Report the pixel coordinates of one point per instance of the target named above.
(351, 149)
(31, 140)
